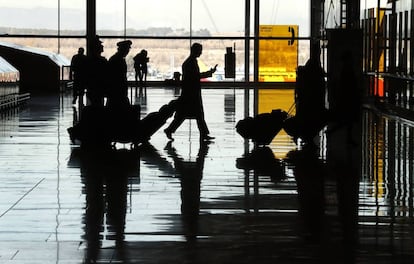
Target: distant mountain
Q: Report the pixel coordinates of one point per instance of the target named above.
(41, 18)
(160, 31)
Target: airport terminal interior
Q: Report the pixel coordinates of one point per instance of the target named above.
(344, 196)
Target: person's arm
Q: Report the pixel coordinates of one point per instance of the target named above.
(71, 69)
(208, 73)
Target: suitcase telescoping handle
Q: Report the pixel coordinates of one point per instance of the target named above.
(291, 108)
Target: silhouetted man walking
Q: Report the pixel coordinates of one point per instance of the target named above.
(190, 104)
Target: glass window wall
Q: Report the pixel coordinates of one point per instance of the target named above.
(29, 17)
(73, 17)
(161, 27)
(218, 18)
(158, 18)
(166, 56)
(110, 17)
(278, 12)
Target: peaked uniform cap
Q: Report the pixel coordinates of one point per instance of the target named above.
(124, 43)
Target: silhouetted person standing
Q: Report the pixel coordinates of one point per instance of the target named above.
(346, 112)
(310, 92)
(118, 90)
(311, 113)
(141, 68)
(96, 72)
(190, 104)
(77, 74)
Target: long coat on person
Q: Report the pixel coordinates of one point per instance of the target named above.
(190, 102)
(118, 90)
(96, 79)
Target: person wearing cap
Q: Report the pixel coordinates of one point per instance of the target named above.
(118, 90)
(89, 129)
(190, 104)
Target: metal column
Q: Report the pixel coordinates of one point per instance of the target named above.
(90, 23)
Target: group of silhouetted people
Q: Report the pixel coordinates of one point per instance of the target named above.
(102, 78)
(107, 79)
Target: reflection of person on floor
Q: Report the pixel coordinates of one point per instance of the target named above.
(309, 174)
(190, 102)
(105, 174)
(77, 74)
(346, 112)
(150, 155)
(190, 174)
(118, 90)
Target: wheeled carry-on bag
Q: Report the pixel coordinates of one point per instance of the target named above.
(262, 128)
(155, 120)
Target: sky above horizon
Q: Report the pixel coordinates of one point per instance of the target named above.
(215, 15)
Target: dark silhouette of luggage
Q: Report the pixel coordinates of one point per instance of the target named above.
(305, 127)
(105, 126)
(124, 124)
(102, 126)
(155, 120)
(263, 162)
(91, 129)
(262, 128)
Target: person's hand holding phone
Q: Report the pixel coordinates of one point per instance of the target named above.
(213, 70)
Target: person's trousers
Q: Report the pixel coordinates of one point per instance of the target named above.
(179, 119)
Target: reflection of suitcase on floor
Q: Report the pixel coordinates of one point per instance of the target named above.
(305, 127)
(123, 124)
(262, 128)
(155, 120)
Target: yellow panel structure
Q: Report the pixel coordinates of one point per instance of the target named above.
(278, 58)
(270, 99)
(381, 62)
(278, 61)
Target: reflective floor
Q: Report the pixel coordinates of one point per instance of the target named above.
(186, 202)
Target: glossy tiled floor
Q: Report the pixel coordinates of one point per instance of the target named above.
(182, 202)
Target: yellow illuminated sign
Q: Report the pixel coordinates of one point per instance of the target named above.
(278, 58)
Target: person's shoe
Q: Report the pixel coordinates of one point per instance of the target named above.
(207, 138)
(168, 134)
(71, 136)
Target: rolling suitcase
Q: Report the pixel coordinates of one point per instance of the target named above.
(262, 128)
(155, 120)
